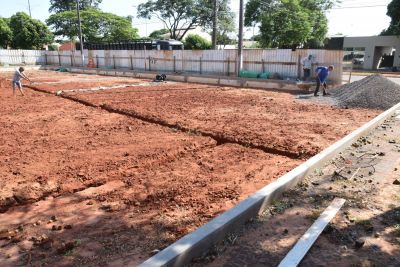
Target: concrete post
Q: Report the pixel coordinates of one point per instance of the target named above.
(131, 62)
(229, 66)
(149, 63)
(396, 60)
(299, 67)
(201, 65)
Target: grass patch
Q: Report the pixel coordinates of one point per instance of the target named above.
(279, 206)
(397, 229)
(314, 215)
(366, 224)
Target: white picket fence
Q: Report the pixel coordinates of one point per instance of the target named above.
(285, 62)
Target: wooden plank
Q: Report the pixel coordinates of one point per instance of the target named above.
(296, 254)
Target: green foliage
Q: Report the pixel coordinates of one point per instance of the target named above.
(58, 6)
(393, 11)
(96, 26)
(224, 39)
(225, 26)
(53, 47)
(158, 34)
(29, 33)
(5, 33)
(195, 41)
(181, 16)
(289, 23)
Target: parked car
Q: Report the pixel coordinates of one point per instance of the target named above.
(358, 61)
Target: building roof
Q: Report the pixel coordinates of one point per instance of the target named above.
(67, 47)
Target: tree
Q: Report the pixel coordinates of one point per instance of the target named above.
(195, 41)
(289, 23)
(29, 33)
(225, 26)
(58, 6)
(181, 16)
(96, 26)
(393, 11)
(158, 34)
(5, 33)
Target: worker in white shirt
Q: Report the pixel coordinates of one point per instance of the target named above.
(307, 63)
(16, 81)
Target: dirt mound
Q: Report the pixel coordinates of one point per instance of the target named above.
(373, 92)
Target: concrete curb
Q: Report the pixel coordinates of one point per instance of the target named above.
(201, 240)
(276, 85)
(16, 67)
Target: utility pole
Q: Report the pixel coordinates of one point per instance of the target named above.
(214, 34)
(240, 45)
(80, 32)
(29, 5)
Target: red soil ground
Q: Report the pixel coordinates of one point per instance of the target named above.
(55, 81)
(120, 187)
(268, 120)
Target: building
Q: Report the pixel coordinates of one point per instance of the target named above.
(369, 52)
(375, 50)
(69, 46)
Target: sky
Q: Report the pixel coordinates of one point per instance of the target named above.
(350, 18)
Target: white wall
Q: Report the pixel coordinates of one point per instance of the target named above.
(215, 62)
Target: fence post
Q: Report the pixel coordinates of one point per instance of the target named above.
(45, 59)
(236, 63)
(131, 62)
(72, 62)
(149, 63)
(263, 65)
(174, 63)
(114, 61)
(23, 58)
(229, 65)
(59, 59)
(97, 61)
(299, 67)
(201, 65)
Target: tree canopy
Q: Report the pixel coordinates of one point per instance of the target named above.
(96, 26)
(195, 41)
(393, 11)
(158, 34)
(29, 33)
(5, 33)
(289, 23)
(58, 6)
(225, 26)
(181, 16)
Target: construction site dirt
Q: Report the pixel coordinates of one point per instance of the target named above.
(113, 176)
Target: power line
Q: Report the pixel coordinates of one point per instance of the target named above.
(358, 7)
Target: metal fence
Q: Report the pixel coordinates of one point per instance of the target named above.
(285, 62)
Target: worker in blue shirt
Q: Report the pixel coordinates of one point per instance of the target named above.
(322, 74)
